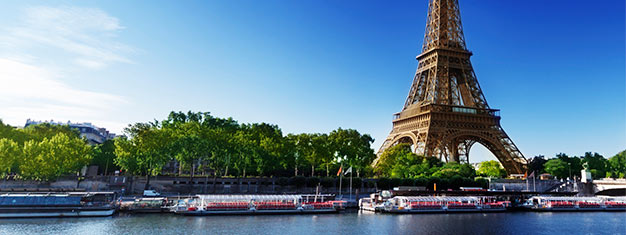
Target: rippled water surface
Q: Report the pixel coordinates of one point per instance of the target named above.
(344, 223)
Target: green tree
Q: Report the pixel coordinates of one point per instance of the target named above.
(400, 162)
(575, 164)
(492, 169)
(617, 165)
(104, 156)
(454, 168)
(536, 164)
(295, 153)
(557, 167)
(146, 152)
(10, 155)
(50, 158)
(354, 147)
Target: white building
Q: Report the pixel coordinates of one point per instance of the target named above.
(93, 134)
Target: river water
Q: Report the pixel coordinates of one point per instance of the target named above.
(344, 223)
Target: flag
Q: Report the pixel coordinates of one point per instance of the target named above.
(348, 171)
(340, 169)
(532, 175)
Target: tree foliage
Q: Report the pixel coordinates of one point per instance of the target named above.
(50, 158)
(557, 167)
(491, 169)
(42, 152)
(617, 165)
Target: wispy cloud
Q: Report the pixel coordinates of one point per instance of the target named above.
(37, 53)
(86, 35)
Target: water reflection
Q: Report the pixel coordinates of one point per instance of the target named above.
(346, 223)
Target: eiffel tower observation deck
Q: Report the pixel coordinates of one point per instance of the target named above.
(446, 113)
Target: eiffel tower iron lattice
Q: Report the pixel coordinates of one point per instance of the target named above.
(446, 112)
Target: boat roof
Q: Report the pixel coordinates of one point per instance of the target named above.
(13, 200)
(569, 198)
(57, 194)
(221, 197)
(437, 199)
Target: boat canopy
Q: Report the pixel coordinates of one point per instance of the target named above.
(587, 199)
(247, 198)
(39, 200)
(438, 199)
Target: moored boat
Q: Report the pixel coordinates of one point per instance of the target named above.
(253, 204)
(28, 205)
(143, 205)
(546, 203)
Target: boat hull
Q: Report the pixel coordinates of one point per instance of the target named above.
(55, 212)
(256, 212)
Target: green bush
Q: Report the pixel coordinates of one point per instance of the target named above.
(455, 182)
(421, 181)
(298, 181)
(282, 181)
(407, 182)
(328, 182)
(384, 183)
(395, 182)
(356, 182)
(312, 181)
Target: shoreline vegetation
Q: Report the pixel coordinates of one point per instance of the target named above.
(196, 143)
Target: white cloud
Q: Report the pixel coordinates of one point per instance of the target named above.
(84, 34)
(44, 48)
(31, 92)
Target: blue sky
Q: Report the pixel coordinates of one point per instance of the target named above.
(556, 68)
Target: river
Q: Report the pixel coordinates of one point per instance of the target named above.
(344, 223)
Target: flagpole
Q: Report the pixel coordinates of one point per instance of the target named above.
(350, 182)
(534, 186)
(340, 179)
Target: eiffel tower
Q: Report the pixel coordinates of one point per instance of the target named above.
(446, 112)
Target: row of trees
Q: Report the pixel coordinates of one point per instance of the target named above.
(564, 166)
(201, 143)
(198, 143)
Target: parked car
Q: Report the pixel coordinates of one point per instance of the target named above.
(150, 193)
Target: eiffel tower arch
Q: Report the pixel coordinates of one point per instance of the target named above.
(446, 113)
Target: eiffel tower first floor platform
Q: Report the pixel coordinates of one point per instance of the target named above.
(448, 132)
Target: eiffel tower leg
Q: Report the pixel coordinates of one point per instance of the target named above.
(454, 151)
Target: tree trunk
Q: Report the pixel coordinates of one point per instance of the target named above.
(191, 172)
(327, 173)
(180, 168)
(214, 181)
(312, 170)
(147, 182)
(296, 173)
(106, 168)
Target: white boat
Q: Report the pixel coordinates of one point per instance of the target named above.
(253, 204)
(548, 203)
(427, 204)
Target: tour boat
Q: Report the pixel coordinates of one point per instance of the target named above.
(253, 204)
(368, 204)
(143, 205)
(427, 204)
(545, 203)
(28, 205)
(615, 205)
